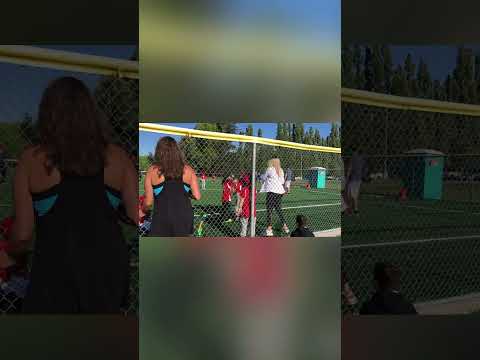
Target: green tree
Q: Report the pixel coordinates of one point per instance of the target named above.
(399, 82)
(288, 132)
(118, 100)
(280, 131)
(249, 130)
(297, 135)
(317, 138)
(378, 69)
(310, 136)
(409, 68)
(348, 71)
(369, 70)
(358, 61)
(424, 80)
(388, 67)
(438, 91)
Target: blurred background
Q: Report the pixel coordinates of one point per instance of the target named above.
(231, 61)
(257, 298)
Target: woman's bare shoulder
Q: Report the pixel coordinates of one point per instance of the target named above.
(115, 151)
(187, 169)
(152, 169)
(31, 153)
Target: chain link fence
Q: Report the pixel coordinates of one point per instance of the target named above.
(419, 203)
(222, 161)
(26, 72)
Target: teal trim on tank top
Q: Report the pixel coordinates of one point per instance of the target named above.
(43, 206)
(158, 190)
(114, 200)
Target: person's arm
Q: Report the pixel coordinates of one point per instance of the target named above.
(148, 190)
(193, 182)
(130, 188)
(22, 230)
(239, 206)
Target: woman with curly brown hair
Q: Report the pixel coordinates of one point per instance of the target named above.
(67, 190)
(170, 184)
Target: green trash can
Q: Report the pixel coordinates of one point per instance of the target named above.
(423, 174)
(317, 177)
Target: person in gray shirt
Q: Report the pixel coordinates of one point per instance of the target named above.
(354, 177)
(288, 179)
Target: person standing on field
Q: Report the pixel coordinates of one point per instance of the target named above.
(203, 178)
(288, 180)
(273, 185)
(354, 178)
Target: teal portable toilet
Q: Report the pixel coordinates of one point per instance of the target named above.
(317, 177)
(423, 174)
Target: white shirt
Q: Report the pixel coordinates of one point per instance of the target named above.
(272, 182)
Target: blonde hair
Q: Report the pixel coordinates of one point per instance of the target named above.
(275, 163)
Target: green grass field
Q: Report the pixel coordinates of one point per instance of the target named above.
(435, 243)
(320, 206)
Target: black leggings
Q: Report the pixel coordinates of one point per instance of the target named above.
(274, 201)
(226, 211)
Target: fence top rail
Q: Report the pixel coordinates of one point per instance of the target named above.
(70, 61)
(407, 103)
(211, 135)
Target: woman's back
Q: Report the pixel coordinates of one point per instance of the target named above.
(76, 231)
(273, 182)
(40, 180)
(67, 191)
(173, 213)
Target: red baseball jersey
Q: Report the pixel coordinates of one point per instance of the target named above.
(227, 191)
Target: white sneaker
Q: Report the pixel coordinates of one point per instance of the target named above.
(269, 232)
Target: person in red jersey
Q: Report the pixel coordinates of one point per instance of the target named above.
(227, 192)
(244, 205)
(203, 178)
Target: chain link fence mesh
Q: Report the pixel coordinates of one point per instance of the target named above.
(22, 87)
(314, 178)
(419, 204)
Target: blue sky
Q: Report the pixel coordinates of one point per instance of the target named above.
(441, 60)
(147, 140)
(306, 17)
(22, 87)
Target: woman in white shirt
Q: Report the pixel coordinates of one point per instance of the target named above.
(273, 181)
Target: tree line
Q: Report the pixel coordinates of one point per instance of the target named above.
(371, 68)
(223, 158)
(381, 132)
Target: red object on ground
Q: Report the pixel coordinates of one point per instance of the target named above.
(403, 194)
(307, 186)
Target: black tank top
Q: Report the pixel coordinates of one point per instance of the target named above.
(172, 209)
(80, 258)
